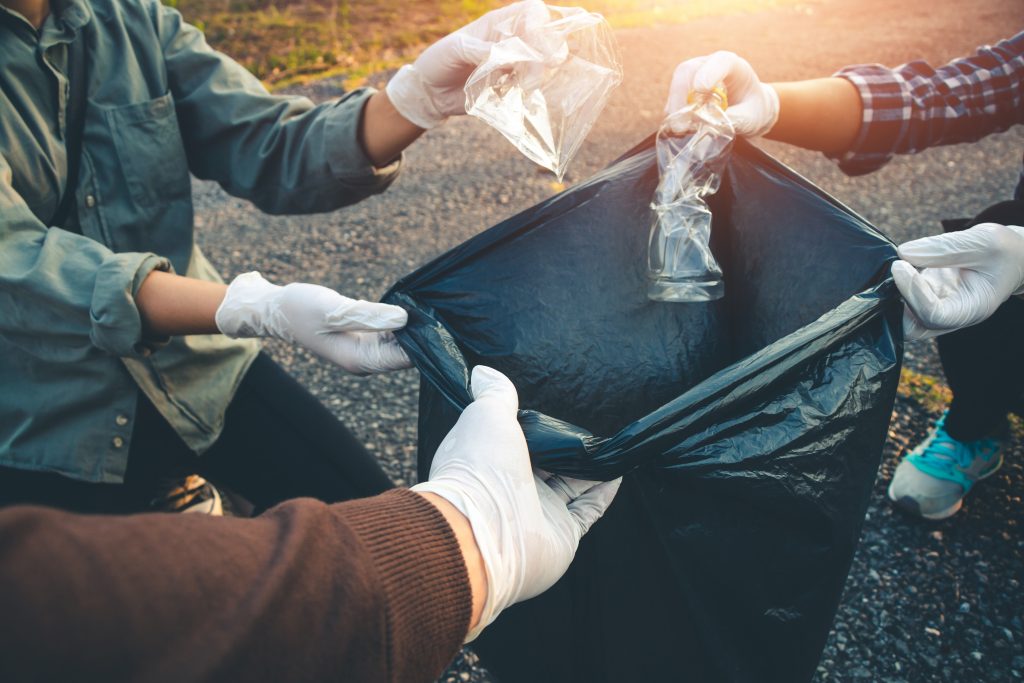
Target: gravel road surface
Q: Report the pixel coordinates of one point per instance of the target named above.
(924, 602)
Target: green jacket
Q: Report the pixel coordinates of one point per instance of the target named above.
(161, 104)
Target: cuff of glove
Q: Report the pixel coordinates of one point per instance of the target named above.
(411, 98)
(245, 307)
(772, 96)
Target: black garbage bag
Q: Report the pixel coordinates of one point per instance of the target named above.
(749, 429)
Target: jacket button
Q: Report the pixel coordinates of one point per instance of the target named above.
(121, 420)
(117, 442)
(90, 201)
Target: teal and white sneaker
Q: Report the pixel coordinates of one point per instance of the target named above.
(933, 479)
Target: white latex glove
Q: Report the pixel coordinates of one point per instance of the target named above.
(527, 530)
(753, 106)
(430, 89)
(967, 275)
(353, 334)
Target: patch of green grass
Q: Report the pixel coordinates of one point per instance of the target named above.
(931, 392)
(934, 396)
(288, 41)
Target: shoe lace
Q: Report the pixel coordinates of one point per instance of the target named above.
(944, 451)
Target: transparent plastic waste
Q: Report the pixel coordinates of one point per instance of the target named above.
(546, 81)
(693, 146)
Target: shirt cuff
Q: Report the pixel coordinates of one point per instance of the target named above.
(886, 108)
(345, 154)
(423, 576)
(116, 325)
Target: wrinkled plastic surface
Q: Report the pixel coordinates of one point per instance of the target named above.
(749, 428)
(546, 81)
(693, 145)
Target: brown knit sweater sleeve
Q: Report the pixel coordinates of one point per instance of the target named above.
(369, 590)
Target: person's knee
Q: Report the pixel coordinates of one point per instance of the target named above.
(1010, 212)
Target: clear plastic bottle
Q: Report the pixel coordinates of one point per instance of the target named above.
(693, 145)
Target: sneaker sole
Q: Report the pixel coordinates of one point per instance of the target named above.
(911, 506)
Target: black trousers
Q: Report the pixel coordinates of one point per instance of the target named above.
(279, 442)
(984, 363)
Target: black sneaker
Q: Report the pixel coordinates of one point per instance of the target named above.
(192, 494)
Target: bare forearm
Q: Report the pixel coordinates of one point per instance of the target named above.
(383, 131)
(172, 305)
(823, 114)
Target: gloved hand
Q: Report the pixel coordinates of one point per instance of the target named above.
(430, 89)
(753, 106)
(353, 334)
(527, 530)
(967, 275)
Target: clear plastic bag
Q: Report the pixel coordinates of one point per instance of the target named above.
(546, 81)
(693, 146)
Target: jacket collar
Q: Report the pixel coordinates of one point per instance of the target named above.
(67, 18)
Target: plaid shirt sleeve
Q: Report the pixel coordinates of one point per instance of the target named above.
(916, 106)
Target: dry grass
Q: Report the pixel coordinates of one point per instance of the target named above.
(930, 392)
(288, 41)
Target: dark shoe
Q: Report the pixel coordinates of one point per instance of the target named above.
(193, 494)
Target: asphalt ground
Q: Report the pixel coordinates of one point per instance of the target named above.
(925, 602)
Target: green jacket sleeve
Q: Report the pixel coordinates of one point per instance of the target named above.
(64, 295)
(282, 153)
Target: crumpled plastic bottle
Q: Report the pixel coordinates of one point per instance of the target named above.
(546, 81)
(693, 145)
